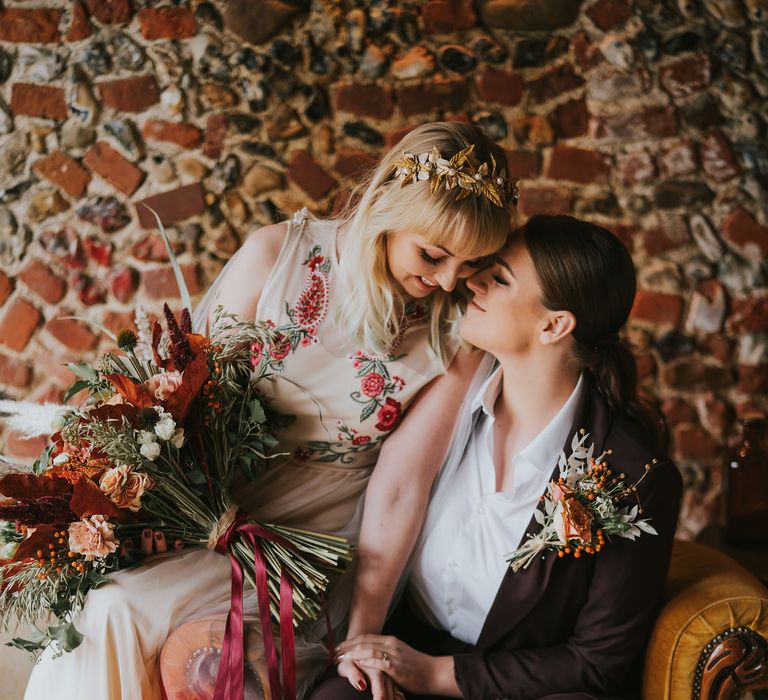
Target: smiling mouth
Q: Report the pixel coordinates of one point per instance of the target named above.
(428, 283)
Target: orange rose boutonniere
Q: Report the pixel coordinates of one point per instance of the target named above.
(583, 508)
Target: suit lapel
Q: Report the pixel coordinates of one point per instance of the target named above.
(519, 592)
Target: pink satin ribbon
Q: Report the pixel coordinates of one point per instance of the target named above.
(230, 680)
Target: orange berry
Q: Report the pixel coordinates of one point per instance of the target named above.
(561, 554)
(577, 554)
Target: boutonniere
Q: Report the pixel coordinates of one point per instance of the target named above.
(583, 508)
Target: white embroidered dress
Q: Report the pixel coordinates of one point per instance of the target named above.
(346, 402)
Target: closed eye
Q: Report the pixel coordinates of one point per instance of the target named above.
(500, 280)
(426, 257)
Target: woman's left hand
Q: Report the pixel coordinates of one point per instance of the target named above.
(416, 672)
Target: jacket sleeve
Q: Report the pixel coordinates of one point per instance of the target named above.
(611, 629)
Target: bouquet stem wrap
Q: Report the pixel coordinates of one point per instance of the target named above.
(230, 681)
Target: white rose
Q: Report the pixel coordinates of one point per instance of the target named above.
(165, 427)
(177, 439)
(145, 437)
(150, 450)
(63, 458)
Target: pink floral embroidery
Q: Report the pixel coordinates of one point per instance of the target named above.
(388, 415)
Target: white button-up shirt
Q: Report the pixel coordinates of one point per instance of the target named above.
(459, 564)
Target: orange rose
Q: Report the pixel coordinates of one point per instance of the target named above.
(161, 386)
(573, 521)
(94, 537)
(125, 487)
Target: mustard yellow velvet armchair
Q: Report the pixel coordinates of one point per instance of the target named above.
(709, 642)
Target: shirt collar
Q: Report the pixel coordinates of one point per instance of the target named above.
(543, 451)
(488, 392)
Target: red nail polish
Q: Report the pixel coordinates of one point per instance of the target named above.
(361, 685)
(158, 535)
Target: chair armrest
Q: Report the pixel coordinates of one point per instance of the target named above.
(709, 640)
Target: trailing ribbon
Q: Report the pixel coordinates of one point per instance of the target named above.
(230, 681)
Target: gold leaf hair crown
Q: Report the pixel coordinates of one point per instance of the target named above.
(464, 171)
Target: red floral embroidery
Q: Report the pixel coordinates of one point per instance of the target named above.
(361, 440)
(312, 305)
(372, 384)
(315, 261)
(388, 415)
(257, 353)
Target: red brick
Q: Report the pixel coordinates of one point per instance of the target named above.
(554, 82)
(29, 25)
(26, 449)
(159, 283)
(215, 131)
(105, 161)
(501, 86)
(634, 168)
(753, 380)
(64, 172)
(110, 11)
(365, 100)
(5, 288)
(657, 307)
(173, 206)
(717, 345)
(717, 157)
(47, 392)
(393, 137)
(693, 443)
(80, 28)
(545, 200)
(450, 94)
(118, 320)
(678, 159)
(748, 316)
(123, 281)
(686, 76)
(353, 164)
(18, 324)
(656, 241)
(74, 334)
(151, 248)
(646, 366)
(448, 16)
(572, 119)
(185, 135)
(578, 165)
(167, 23)
(743, 231)
(523, 165)
(716, 415)
(133, 94)
(607, 14)
(49, 364)
(653, 122)
(676, 411)
(14, 371)
(43, 281)
(311, 177)
(586, 55)
(41, 101)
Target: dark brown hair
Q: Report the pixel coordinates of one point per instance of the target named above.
(585, 269)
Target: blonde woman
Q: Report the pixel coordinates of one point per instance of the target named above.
(365, 309)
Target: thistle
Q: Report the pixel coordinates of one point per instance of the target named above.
(146, 419)
(126, 340)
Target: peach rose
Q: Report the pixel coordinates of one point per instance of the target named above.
(161, 386)
(94, 537)
(125, 487)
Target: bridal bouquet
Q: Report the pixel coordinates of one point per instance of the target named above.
(172, 419)
(582, 508)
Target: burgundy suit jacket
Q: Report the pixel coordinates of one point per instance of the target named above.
(567, 625)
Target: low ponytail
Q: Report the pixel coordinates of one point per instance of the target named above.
(585, 269)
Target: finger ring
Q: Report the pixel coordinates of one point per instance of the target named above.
(384, 656)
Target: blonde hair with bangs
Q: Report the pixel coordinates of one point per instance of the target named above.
(373, 304)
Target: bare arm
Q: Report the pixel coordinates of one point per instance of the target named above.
(240, 289)
(398, 492)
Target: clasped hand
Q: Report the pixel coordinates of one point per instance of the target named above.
(389, 664)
